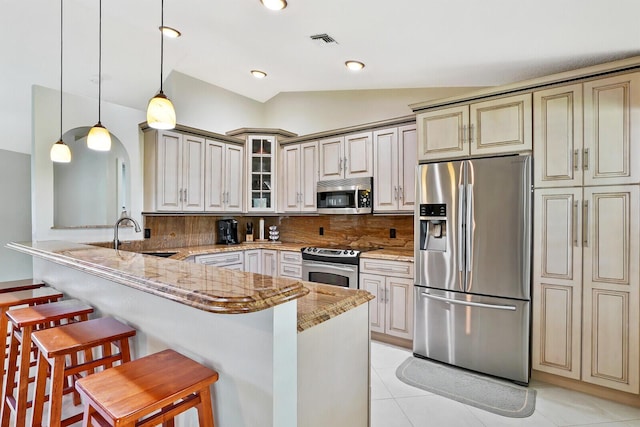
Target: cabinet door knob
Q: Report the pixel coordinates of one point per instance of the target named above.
(180, 195)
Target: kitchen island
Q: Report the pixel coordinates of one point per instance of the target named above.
(288, 352)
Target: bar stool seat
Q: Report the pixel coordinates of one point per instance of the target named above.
(20, 285)
(24, 321)
(148, 391)
(55, 344)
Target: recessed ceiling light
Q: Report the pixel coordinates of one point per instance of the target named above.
(274, 4)
(258, 74)
(170, 32)
(354, 65)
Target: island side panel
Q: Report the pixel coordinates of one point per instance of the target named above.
(241, 347)
(334, 371)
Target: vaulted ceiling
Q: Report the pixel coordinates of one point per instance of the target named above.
(404, 44)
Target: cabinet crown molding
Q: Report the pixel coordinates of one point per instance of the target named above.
(595, 71)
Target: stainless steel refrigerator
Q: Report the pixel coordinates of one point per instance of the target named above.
(472, 264)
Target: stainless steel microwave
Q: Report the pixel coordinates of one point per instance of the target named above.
(345, 196)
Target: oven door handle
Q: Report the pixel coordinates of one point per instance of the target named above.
(333, 266)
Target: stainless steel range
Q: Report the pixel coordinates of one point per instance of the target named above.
(333, 266)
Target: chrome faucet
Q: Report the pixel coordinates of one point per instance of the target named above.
(120, 220)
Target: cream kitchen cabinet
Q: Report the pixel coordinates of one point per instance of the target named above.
(391, 283)
(230, 260)
(300, 169)
(174, 171)
(586, 255)
(496, 126)
(224, 174)
(290, 264)
(587, 134)
(261, 163)
(269, 262)
(253, 261)
(394, 154)
(261, 261)
(349, 156)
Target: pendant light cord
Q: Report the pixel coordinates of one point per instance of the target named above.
(161, 40)
(61, 10)
(99, 60)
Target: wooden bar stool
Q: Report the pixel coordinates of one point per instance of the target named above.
(55, 344)
(9, 300)
(24, 322)
(148, 391)
(20, 285)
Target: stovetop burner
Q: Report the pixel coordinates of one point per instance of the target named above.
(343, 255)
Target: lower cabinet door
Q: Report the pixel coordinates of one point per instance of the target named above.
(399, 311)
(375, 285)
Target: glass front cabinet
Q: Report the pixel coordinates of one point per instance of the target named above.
(262, 161)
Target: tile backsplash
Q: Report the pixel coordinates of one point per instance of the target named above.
(344, 230)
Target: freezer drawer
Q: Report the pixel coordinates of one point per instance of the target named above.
(484, 334)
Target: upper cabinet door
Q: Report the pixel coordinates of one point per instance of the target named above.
(234, 170)
(308, 176)
(290, 178)
(214, 177)
(385, 170)
(358, 155)
(407, 147)
(331, 158)
(501, 125)
(193, 173)
(442, 134)
(169, 172)
(557, 136)
(611, 134)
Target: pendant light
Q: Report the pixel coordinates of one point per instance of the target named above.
(60, 152)
(99, 138)
(160, 112)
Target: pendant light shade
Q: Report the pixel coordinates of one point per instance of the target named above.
(99, 138)
(60, 152)
(160, 111)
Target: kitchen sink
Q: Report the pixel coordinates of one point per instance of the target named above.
(160, 254)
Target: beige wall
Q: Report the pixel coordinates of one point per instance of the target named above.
(212, 108)
(310, 112)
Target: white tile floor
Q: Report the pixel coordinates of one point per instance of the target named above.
(396, 404)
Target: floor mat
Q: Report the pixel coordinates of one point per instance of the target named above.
(494, 395)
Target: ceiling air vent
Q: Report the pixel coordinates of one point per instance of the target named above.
(323, 39)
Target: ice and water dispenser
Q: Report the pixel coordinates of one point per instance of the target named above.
(433, 227)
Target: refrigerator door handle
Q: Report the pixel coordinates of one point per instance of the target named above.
(460, 227)
(470, 303)
(469, 226)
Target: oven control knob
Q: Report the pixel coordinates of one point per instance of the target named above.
(345, 252)
(352, 253)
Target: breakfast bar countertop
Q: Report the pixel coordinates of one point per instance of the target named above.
(204, 287)
(207, 288)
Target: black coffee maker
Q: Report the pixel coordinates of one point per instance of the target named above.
(227, 231)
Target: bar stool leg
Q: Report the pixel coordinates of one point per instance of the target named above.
(41, 382)
(205, 411)
(9, 380)
(23, 376)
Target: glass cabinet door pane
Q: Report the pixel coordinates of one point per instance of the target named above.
(266, 164)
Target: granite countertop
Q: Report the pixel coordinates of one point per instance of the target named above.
(187, 251)
(204, 287)
(208, 288)
(391, 254)
(324, 302)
